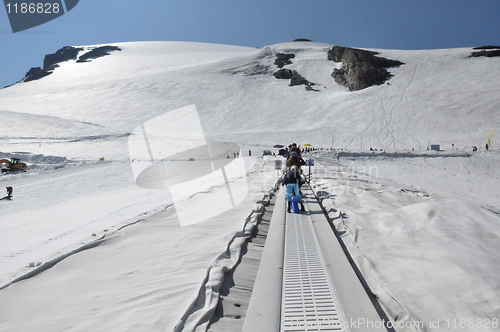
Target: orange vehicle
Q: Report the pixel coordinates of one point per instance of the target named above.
(13, 165)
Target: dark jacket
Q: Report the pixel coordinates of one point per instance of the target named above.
(295, 160)
(292, 176)
(296, 150)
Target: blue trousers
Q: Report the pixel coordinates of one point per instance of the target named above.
(292, 189)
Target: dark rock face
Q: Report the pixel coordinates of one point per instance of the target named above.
(35, 73)
(64, 54)
(488, 54)
(283, 59)
(50, 62)
(302, 40)
(97, 53)
(284, 74)
(486, 51)
(360, 68)
(298, 79)
(294, 77)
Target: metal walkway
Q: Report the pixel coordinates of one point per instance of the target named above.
(305, 281)
(309, 301)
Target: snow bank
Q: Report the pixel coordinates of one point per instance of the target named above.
(201, 310)
(427, 259)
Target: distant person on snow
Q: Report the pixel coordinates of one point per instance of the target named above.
(293, 181)
(9, 191)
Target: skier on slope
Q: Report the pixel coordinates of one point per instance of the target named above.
(9, 192)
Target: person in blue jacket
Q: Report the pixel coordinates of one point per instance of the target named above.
(293, 181)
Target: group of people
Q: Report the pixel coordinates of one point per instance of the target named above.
(293, 176)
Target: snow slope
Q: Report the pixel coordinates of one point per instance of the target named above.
(439, 96)
(62, 124)
(431, 257)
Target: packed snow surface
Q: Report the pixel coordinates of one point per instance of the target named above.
(423, 226)
(429, 250)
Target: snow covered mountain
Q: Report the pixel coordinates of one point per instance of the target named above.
(437, 96)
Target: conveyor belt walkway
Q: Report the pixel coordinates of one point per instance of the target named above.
(309, 301)
(305, 281)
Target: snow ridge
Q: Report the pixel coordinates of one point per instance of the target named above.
(397, 310)
(200, 312)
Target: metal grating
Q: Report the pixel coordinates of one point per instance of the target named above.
(308, 302)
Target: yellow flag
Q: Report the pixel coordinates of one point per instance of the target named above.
(491, 137)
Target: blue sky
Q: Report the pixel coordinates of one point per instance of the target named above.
(392, 24)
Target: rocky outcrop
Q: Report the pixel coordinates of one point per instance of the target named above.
(52, 61)
(283, 74)
(63, 54)
(489, 47)
(35, 73)
(97, 53)
(294, 77)
(283, 59)
(360, 68)
(298, 79)
(486, 51)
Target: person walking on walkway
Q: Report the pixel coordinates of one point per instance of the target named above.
(295, 160)
(295, 148)
(293, 181)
